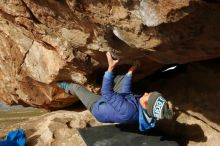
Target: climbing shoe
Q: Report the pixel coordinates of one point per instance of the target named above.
(63, 85)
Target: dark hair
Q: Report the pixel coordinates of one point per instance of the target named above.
(167, 112)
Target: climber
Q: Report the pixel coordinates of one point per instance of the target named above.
(118, 104)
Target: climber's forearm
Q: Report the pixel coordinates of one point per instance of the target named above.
(111, 68)
(111, 62)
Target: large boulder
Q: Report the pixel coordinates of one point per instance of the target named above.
(44, 41)
(192, 90)
(61, 128)
(55, 128)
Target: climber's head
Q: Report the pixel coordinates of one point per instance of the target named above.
(156, 106)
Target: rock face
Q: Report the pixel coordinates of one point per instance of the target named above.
(56, 128)
(44, 41)
(195, 98)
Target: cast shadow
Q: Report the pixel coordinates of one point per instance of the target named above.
(170, 131)
(189, 87)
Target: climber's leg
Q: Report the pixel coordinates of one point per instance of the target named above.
(87, 97)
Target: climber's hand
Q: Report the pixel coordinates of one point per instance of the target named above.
(111, 62)
(134, 67)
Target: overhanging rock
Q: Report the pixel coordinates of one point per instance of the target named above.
(45, 41)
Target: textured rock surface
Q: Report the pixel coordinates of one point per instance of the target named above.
(56, 128)
(46, 40)
(43, 41)
(192, 89)
(60, 128)
(154, 12)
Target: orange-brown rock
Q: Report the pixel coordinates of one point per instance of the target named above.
(192, 89)
(44, 41)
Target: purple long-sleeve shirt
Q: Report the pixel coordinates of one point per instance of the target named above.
(116, 107)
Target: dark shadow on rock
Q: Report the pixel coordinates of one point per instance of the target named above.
(78, 107)
(33, 140)
(181, 132)
(212, 1)
(128, 134)
(189, 87)
(171, 131)
(123, 135)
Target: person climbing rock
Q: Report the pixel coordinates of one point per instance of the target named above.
(117, 103)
